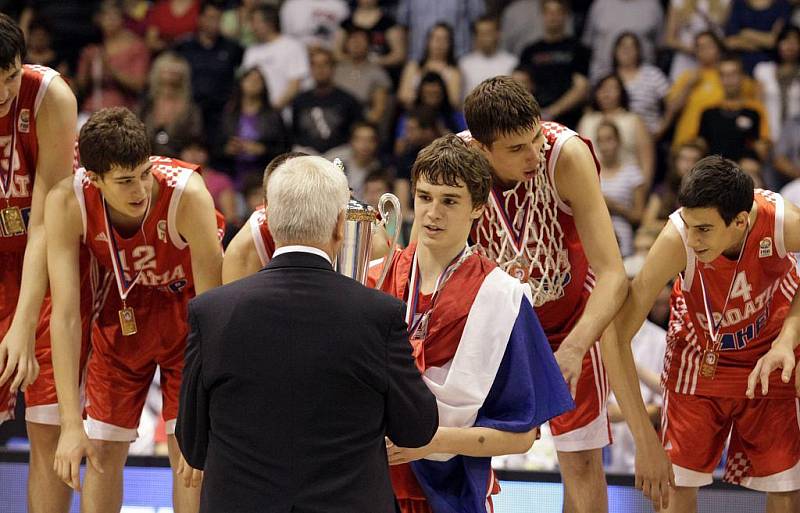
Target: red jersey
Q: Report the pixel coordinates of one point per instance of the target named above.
(18, 127)
(761, 289)
(157, 250)
(523, 206)
(262, 238)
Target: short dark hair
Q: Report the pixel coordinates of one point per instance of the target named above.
(379, 175)
(113, 137)
(716, 182)
(486, 18)
(449, 160)
(624, 99)
(732, 56)
(216, 4)
(714, 37)
(277, 161)
(270, 15)
(500, 106)
(364, 124)
(12, 42)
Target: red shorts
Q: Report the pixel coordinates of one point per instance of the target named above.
(587, 426)
(121, 368)
(10, 279)
(764, 451)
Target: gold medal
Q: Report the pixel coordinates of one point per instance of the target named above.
(422, 327)
(127, 321)
(11, 218)
(709, 365)
(519, 271)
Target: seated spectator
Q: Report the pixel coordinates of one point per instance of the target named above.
(252, 131)
(439, 58)
(751, 164)
(40, 49)
(779, 80)
(753, 27)
(366, 81)
(623, 185)
(432, 94)
(664, 199)
(645, 84)
(218, 184)
(359, 156)
(562, 62)
(786, 156)
(737, 124)
(607, 19)
(70, 22)
(313, 22)
(323, 117)
(282, 60)
(387, 39)
(237, 22)
(419, 17)
(487, 59)
(171, 117)
(609, 101)
(376, 184)
(114, 72)
(523, 24)
(169, 20)
(685, 20)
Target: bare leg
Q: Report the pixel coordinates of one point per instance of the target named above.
(585, 489)
(47, 493)
(682, 499)
(102, 493)
(783, 502)
(184, 500)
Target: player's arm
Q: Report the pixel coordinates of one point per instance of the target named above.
(477, 442)
(197, 224)
(55, 125)
(781, 354)
(241, 258)
(579, 186)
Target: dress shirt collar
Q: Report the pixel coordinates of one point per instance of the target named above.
(302, 249)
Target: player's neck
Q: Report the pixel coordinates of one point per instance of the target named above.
(128, 226)
(732, 253)
(432, 262)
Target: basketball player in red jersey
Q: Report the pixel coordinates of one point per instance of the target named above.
(152, 221)
(37, 125)
(731, 248)
(547, 223)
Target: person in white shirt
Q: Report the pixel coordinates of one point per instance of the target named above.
(487, 60)
(314, 22)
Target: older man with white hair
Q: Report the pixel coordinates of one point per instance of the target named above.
(294, 376)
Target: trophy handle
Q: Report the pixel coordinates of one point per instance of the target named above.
(398, 223)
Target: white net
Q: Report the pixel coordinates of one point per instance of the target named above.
(542, 260)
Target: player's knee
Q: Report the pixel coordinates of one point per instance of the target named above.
(110, 453)
(583, 465)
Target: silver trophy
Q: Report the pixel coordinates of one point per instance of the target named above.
(361, 220)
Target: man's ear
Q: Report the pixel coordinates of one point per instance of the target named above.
(477, 212)
(338, 230)
(93, 177)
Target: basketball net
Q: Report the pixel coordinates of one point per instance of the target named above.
(542, 262)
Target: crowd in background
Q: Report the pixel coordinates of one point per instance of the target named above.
(655, 85)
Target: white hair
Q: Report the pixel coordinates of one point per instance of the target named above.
(304, 198)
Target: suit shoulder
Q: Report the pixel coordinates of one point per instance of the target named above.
(214, 298)
(376, 298)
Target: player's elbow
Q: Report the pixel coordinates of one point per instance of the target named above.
(520, 443)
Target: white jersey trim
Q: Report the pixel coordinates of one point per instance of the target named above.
(780, 244)
(555, 151)
(182, 179)
(47, 77)
(255, 230)
(77, 186)
(688, 273)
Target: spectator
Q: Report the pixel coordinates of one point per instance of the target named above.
(114, 72)
(387, 40)
(562, 62)
(522, 76)
(253, 192)
(780, 80)
(323, 117)
(752, 165)
(523, 24)
(420, 16)
(366, 81)
(609, 101)
(219, 185)
(252, 131)
(213, 60)
(314, 22)
(607, 19)
(645, 84)
(171, 117)
(40, 47)
(136, 16)
(168, 21)
(753, 27)
(487, 59)
(431, 94)
(737, 123)
(237, 22)
(376, 185)
(685, 20)
(70, 21)
(623, 184)
(664, 199)
(359, 156)
(282, 60)
(786, 157)
(438, 58)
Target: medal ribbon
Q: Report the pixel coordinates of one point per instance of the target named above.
(517, 242)
(123, 285)
(7, 179)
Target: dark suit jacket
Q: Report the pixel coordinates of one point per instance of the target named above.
(293, 377)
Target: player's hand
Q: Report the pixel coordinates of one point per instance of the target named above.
(18, 353)
(780, 356)
(73, 445)
(654, 475)
(190, 477)
(398, 455)
(570, 360)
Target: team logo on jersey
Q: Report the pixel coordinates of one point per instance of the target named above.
(101, 237)
(24, 123)
(765, 247)
(161, 228)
